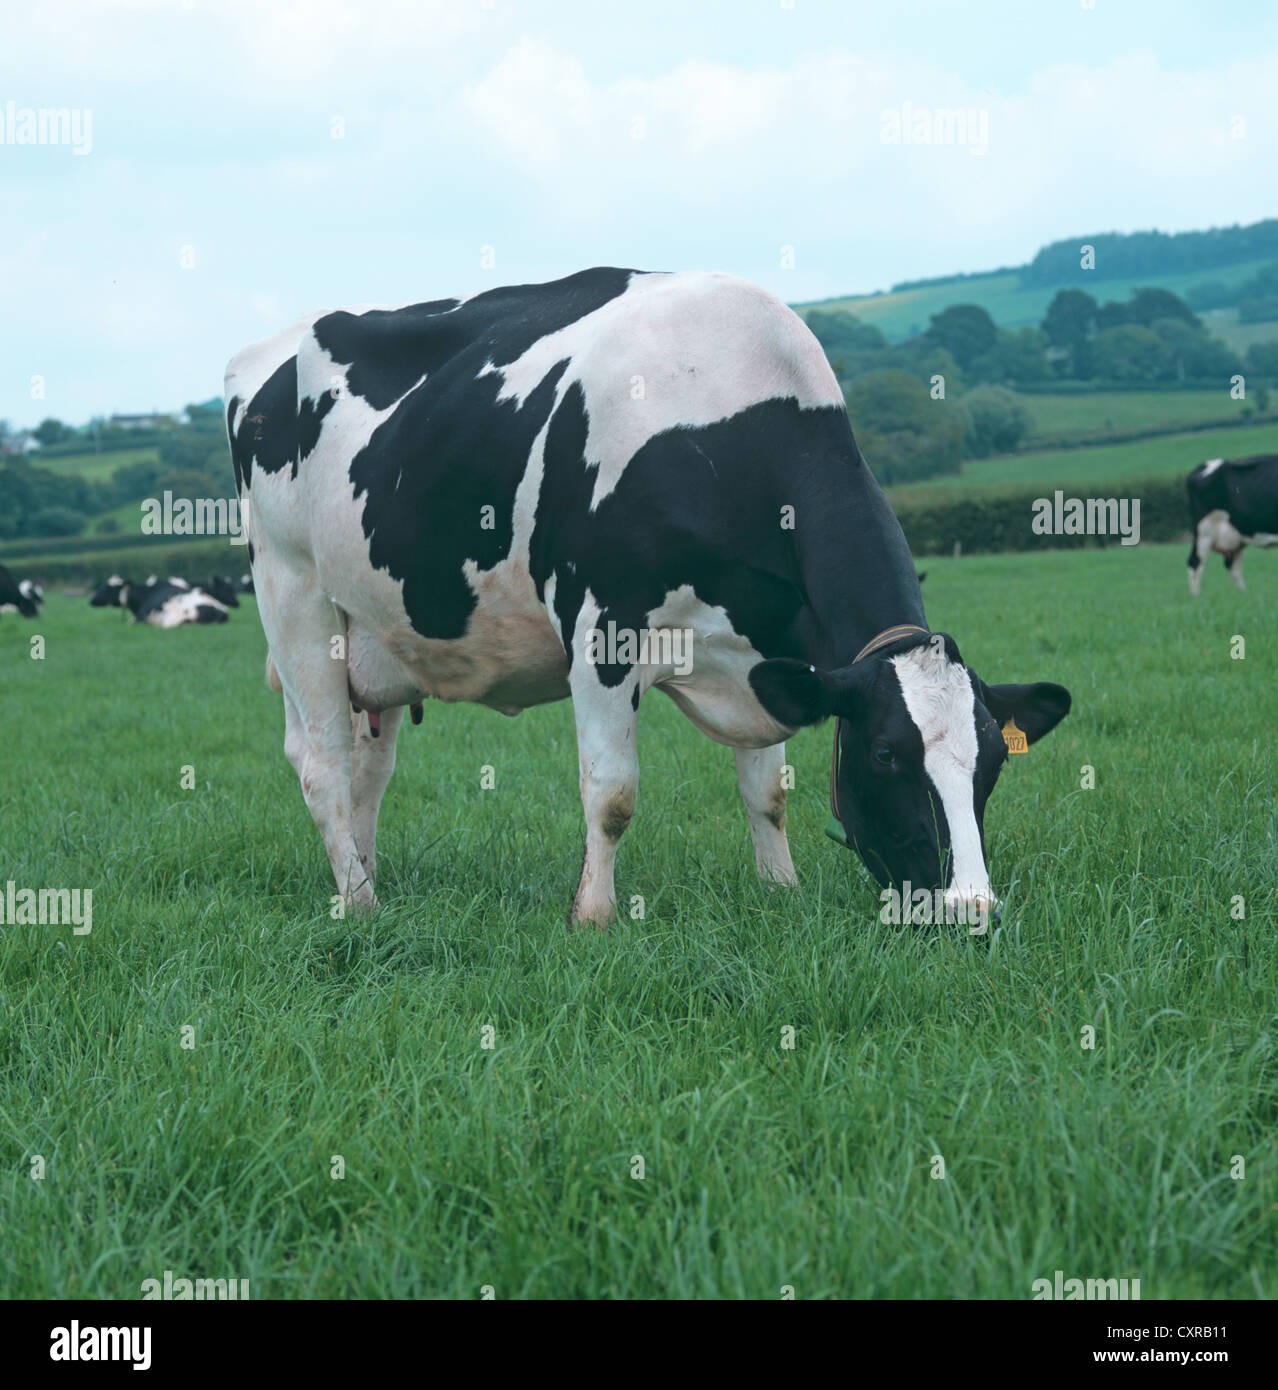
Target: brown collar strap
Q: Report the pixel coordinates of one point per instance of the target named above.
(886, 638)
(875, 644)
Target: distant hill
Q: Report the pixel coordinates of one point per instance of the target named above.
(1202, 267)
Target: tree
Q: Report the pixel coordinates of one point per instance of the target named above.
(1070, 318)
(1131, 353)
(904, 433)
(1147, 305)
(52, 432)
(997, 422)
(839, 332)
(1016, 356)
(1262, 360)
(56, 521)
(964, 330)
(1195, 354)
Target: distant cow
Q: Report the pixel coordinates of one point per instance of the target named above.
(536, 493)
(159, 602)
(222, 588)
(1234, 502)
(19, 596)
(245, 584)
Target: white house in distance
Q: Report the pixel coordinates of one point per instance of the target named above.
(23, 442)
(153, 421)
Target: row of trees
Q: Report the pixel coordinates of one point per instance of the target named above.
(1121, 255)
(193, 462)
(911, 429)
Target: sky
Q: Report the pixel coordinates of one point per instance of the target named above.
(231, 165)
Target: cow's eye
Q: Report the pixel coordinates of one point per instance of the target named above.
(884, 755)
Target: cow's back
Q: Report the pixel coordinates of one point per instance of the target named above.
(504, 453)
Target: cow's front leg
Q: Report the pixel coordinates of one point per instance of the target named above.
(760, 775)
(608, 760)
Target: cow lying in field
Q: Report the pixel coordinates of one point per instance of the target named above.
(19, 595)
(160, 602)
(1234, 502)
(469, 499)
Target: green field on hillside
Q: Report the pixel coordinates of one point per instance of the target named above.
(96, 467)
(906, 313)
(1223, 324)
(191, 1069)
(1142, 458)
(1119, 411)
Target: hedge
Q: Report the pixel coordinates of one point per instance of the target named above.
(192, 560)
(989, 520)
(982, 520)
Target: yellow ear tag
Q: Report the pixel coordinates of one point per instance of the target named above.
(1015, 740)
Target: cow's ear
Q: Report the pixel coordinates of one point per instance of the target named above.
(1037, 709)
(792, 692)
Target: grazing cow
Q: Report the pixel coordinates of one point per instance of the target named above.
(161, 603)
(537, 492)
(19, 596)
(1234, 502)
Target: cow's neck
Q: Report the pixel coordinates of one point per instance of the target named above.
(858, 574)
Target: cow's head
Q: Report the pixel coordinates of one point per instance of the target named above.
(919, 747)
(113, 593)
(221, 588)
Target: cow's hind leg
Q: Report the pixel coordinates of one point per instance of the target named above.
(1233, 563)
(760, 776)
(608, 761)
(372, 762)
(303, 633)
(1199, 550)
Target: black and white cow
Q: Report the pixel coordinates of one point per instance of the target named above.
(19, 595)
(1234, 502)
(160, 602)
(111, 593)
(222, 588)
(471, 492)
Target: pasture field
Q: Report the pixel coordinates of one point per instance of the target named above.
(662, 1038)
(96, 467)
(1012, 305)
(1173, 454)
(1223, 324)
(1087, 413)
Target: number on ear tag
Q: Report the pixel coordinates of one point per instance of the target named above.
(1015, 740)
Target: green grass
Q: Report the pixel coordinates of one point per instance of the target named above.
(1223, 324)
(1103, 463)
(1128, 411)
(907, 313)
(95, 467)
(765, 1167)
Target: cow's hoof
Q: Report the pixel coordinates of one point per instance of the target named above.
(598, 915)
